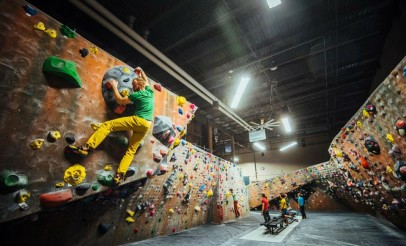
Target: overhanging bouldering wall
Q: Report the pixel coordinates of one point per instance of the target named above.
(54, 92)
(371, 151)
(289, 182)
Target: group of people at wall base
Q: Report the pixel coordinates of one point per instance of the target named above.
(283, 206)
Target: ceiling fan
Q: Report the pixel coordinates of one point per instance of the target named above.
(267, 125)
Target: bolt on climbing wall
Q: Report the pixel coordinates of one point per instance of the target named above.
(289, 182)
(370, 151)
(55, 93)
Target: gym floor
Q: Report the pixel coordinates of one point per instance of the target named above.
(321, 228)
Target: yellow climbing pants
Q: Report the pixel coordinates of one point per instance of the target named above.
(140, 128)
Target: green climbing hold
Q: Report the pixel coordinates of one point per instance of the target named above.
(11, 181)
(95, 187)
(120, 140)
(66, 31)
(105, 178)
(63, 69)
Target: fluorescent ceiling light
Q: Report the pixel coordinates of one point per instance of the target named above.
(273, 3)
(288, 146)
(286, 124)
(259, 146)
(241, 89)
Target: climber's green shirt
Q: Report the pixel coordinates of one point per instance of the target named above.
(144, 103)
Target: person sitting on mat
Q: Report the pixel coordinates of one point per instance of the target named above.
(139, 123)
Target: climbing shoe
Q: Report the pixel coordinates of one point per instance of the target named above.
(82, 151)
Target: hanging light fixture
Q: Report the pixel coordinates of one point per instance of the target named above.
(273, 65)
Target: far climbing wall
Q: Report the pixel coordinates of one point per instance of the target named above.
(53, 93)
(367, 169)
(371, 149)
(289, 182)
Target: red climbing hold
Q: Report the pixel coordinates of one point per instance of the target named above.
(56, 198)
(149, 173)
(364, 162)
(158, 87)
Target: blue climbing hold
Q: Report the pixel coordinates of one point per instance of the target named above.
(180, 111)
(29, 10)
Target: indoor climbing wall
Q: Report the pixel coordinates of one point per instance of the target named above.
(229, 177)
(289, 182)
(54, 93)
(190, 193)
(371, 151)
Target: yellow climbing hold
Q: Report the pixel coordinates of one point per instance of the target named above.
(40, 26)
(95, 126)
(365, 113)
(390, 138)
(181, 100)
(108, 168)
(183, 132)
(54, 135)
(23, 195)
(129, 220)
(94, 50)
(338, 152)
(131, 213)
(51, 33)
(171, 211)
(75, 174)
(60, 184)
(125, 93)
(359, 124)
(176, 142)
(181, 175)
(37, 143)
(126, 70)
(210, 193)
(227, 194)
(388, 169)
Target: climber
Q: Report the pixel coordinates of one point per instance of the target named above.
(139, 123)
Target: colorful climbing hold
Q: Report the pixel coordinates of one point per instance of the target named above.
(66, 31)
(37, 143)
(129, 220)
(51, 32)
(180, 100)
(11, 181)
(40, 26)
(22, 195)
(29, 10)
(158, 87)
(84, 52)
(63, 69)
(53, 136)
(129, 212)
(149, 173)
(94, 50)
(75, 174)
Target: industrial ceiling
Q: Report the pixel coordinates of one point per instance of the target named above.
(313, 59)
